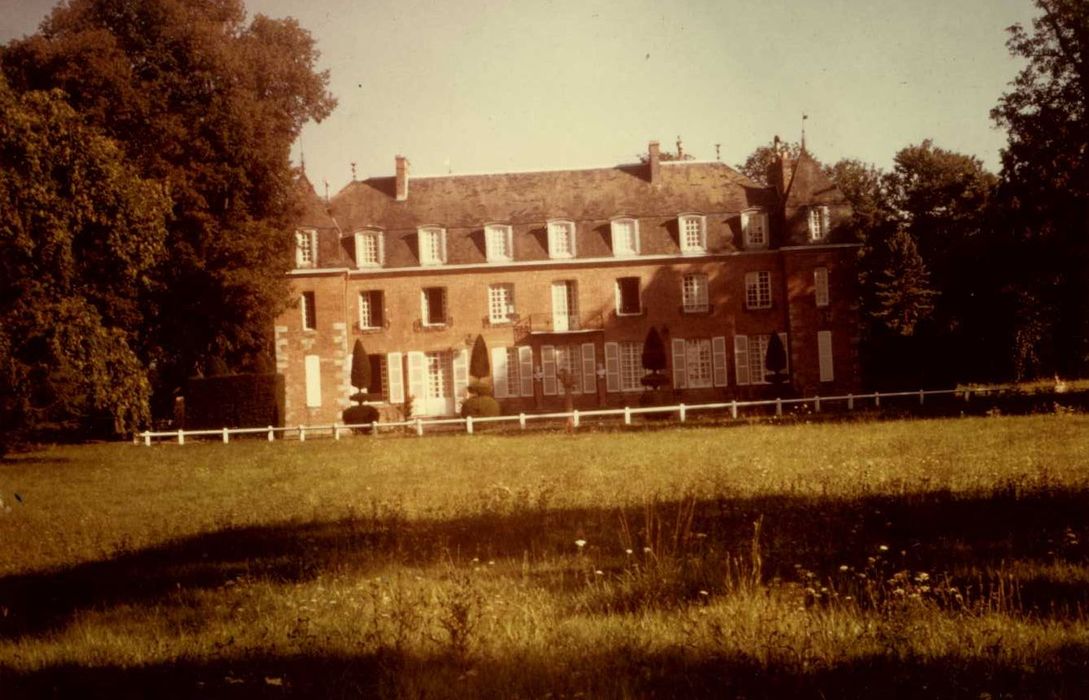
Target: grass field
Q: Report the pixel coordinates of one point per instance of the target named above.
(930, 558)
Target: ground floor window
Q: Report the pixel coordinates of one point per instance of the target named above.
(630, 355)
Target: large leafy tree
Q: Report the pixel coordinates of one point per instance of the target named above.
(207, 104)
(79, 235)
(1045, 170)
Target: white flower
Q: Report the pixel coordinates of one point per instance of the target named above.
(580, 543)
(884, 548)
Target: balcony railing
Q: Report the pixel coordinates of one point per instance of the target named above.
(548, 323)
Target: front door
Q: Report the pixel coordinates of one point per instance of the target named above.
(438, 397)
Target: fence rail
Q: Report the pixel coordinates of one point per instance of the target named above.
(573, 418)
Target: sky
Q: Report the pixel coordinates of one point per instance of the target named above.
(471, 86)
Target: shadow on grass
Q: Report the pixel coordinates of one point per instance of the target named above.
(934, 532)
(612, 673)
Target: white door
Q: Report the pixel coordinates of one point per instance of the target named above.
(438, 391)
(564, 307)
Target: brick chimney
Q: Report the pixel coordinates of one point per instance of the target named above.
(402, 178)
(779, 167)
(654, 163)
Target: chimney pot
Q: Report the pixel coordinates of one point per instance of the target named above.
(402, 178)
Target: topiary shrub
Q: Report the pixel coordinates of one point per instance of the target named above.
(479, 388)
(354, 415)
(655, 398)
(479, 407)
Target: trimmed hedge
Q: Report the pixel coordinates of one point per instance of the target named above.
(355, 415)
(480, 407)
(234, 401)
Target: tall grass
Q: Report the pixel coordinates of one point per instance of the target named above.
(929, 558)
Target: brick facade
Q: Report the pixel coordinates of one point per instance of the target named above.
(718, 346)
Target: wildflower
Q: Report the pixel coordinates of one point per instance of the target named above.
(628, 551)
(843, 567)
(599, 572)
(704, 593)
(883, 548)
(647, 550)
(922, 576)
(898, 591)
(580, 543)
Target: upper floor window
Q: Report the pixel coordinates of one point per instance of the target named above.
(758, 290)
(432, 246)
(306, 248)
(694, 293)
(819, 223)
(371, 310)
(625, 237)
(500, 303)
(369, 249)
(308, 310)
(754, 228)
(693, 232)
(561, 239)
(627, 297)
(820, 285)
(433, 306)
(499, 243)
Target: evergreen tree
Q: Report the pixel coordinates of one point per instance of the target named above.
(479, 364)
(361, 371)
(775, 360)
(900, 292)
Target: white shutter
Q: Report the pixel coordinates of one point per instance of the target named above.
(396, 377)
(442, 246)
(380, 241)
(500, 380)
(718, 359)
(548, 365)
(680, 367)
(359, 250)
(417, 376)
(312, 241)
(826, 221)
(612, 367)
(741, 358)
(824, 355)
(525, 366)
(313, 381)
(461, 377)
(589, 369)
(298, 248)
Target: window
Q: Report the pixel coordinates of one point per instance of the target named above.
(512, 371)
(565, 308)
(627, 297)
(754, 227)
(818, 223)
(631, 366)
(568, 364)
(697, 362)
(371, 312)
(750, 357)
(308, 309)
(758, 290)
(500, 303)
(625, 237)
(369, 251)
(306, 248)
(432, 246)
(561, 239)
(693, 232)
(499, 243)
(820, 285)
(694, 293)
(379, 386)
(824, 355)
(434, 306)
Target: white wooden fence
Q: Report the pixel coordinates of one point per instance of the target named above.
(572, 418)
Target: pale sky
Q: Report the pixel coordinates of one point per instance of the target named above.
(468, 86)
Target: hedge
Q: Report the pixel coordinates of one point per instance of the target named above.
(234, 401)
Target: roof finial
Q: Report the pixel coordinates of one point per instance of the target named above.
(804, 117)
(326, 191)
(718, 156)
(680, 149)
(353, 171)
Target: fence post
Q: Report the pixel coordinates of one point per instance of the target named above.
(147, 438)
(733, 409)
(271, 437)
(374, 428)
(627, 415)
(850, 402)
(302, 434)
(226, 436)
(575, 418)
(877, 399)
(181, 437)
(683, 413)
(336, 430)
(469, 424)
(816, 404)
(522, 421)
(778, 407)
(921, 397)
(419, 427)
(967, 393)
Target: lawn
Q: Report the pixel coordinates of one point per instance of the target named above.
(928, 558)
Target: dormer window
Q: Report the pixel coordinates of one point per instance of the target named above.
(819, 223)
(432, 242)
(625, 237)
(693, 232)
(754, 228)
(499, 243)
(369, 249)
(561, 239)
(306, 248)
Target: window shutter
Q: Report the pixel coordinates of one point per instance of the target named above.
(786, 352)
(612, 367)
(313, 381)
(589, 369)
(525, 362)
(824, 355)
(718, 359)
(820, 285)
(312, 241)
(741, 358)
(680, 367)
(461, 377)
(500, 373)
(298, 249)
(417, 376)
(548, 365)
(396, 377)
(826, 221)
(380, 240)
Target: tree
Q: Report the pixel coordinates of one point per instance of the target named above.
(361, 371)
(208, 106)
(1045, 171)
(775, 360)
(654, 359)
(864, 187)
(79, 233)
(759, 161)
(479, 364)
(901, 296)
